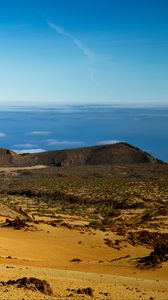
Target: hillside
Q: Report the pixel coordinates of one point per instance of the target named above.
(120, 153)
(95, 226)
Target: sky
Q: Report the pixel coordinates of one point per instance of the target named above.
(83, 51)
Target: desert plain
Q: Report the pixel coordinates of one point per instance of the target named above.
(87, 232)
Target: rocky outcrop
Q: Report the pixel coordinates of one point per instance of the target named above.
(118, 154)
(7, 157)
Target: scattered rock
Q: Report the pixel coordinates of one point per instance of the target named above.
(115, 245)
(29, 217)
(119, 258)
(147, 238)
(162, 211)
(78, 260)
(87, 291)
(155, 258)
(17, 223)
(54, 223)
(105, 294)
(32, 284)
(67, 225)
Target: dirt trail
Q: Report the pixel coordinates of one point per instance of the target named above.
(11, 169)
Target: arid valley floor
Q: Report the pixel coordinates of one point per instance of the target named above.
(96, 232)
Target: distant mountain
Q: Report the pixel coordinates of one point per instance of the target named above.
(8, 158)
(119, 153)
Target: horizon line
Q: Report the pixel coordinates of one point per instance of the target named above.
(63, 104)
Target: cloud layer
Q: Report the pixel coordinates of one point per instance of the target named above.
(2, 134)
(40, 133)
(108, 142)
(64, 142)
(26, 145)
(29, 150)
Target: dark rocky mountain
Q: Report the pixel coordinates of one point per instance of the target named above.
(119, 153)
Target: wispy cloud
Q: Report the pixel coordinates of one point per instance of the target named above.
(53, 142)
(26, 145)
(91, 56)
(40, 133)
(88, 53)
(108, 142)
(29, 151)
(92, 73)
(85, 50)
(2, 134)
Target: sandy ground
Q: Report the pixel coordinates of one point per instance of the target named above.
(69, 259)
(9, 170)
(65, 283)
(46, 252)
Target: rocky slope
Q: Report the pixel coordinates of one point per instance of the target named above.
(120, 153)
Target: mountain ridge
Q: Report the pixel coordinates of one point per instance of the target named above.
(118, 153)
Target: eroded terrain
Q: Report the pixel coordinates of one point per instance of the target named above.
(90, 232)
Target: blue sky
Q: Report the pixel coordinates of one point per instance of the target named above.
(83, 51)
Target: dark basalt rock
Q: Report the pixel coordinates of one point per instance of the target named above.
(155, 258)
(32, 284)
(17, 223)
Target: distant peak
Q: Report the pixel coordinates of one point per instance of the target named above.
(4, 151)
